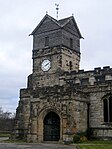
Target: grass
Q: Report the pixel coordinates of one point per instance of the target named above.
(83, 145)
(96, 145)
(14, 141)
(4, 135)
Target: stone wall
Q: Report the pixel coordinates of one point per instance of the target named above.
(69, 56)
(69, 99)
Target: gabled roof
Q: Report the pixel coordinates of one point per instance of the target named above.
(61, 23)
(46, 16)
(65, 21)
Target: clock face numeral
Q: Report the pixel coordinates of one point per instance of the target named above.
(46, 65)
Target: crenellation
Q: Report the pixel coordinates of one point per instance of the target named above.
(88, 77)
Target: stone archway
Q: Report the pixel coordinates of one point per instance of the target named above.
(51, 124)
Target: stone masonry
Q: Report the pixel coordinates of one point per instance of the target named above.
(62, 100)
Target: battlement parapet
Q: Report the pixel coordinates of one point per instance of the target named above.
(92, 77)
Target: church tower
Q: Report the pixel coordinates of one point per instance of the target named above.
(46, 106)
(56, 48)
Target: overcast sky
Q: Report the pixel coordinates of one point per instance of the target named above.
(18, 18)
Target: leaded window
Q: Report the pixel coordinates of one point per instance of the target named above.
(107, 108)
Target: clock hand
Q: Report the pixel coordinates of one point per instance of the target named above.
(46, 64)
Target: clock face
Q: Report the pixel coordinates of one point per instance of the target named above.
(46, 64)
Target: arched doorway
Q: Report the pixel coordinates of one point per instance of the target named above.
(51, 127)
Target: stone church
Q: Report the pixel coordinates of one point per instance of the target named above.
(60, 99)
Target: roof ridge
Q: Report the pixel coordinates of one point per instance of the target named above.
(53, 19)
(66, 21)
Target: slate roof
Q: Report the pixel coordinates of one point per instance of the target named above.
(61, 23)
(64, 21)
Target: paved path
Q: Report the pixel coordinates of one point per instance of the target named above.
(35, 146)
(4, 138)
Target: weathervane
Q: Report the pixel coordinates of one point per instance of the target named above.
(57, 8)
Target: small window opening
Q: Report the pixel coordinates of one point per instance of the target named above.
(70, 64)
(46, 41)
(71, 43)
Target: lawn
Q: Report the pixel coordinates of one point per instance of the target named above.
(96, 145)
(4, 135)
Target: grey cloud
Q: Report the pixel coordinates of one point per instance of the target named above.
(18, 19)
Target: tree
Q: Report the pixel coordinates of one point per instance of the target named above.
(1, 112)
(6, 120)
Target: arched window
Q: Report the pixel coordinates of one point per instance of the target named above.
(107, 108)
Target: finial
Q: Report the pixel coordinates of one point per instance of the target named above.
(46, 12)
(73, 14)
(57, 8)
